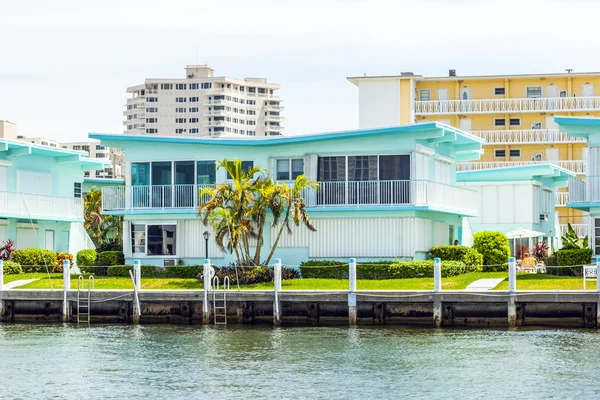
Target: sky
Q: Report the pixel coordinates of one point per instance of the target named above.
(65, 65)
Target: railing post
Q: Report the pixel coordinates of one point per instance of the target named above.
(137, 270)
(437, 289)
(137, 285)
(512, 288)
(66, 289)
(277, 285)
(205, 308)
(352, 294)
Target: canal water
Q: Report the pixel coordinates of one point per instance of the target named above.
(175, 362)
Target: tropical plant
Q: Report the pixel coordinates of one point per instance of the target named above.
(540, 251)
(101, 228)
(570, 241)
(6, 251)
(237, 210)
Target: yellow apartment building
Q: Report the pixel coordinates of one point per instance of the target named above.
(514, 113)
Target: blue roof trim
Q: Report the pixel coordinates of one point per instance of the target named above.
(522, 172)
(581, 121)
(270, 141)
(104, 180)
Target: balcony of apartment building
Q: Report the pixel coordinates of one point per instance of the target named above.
(507, 106)
(527, 136)
(273, 118)
(273, 107)
(214, 113)
(577, 166)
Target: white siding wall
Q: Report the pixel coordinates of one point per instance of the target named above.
(364, 237)
(190, 243)
(507, 204)
(441, 233)
(379, 103)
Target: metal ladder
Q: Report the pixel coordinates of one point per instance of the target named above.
(220, 300)
(84, 303)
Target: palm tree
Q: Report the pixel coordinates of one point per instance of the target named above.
(101, 228)
(296, 210)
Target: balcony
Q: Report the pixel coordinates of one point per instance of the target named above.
(274, 118)
(214, 103)
(408, 193)
(577, 166)
(37, 206)
(215, 123)
(273, 107)
(583, 192)
(214, 113)
(506, 106)
(273, 128)
(527, 136)
(561, 199)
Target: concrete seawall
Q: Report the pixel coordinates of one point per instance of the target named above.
(316, 308)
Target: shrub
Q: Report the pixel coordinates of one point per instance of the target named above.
(494, 248)
(458, 253)
(60, 257)
(107, 258)
(86, 258)
(35, 260)
(380, 269)
(111, 245)
(540, 251)
(571, 257)
(12, 268)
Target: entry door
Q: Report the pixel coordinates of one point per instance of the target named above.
(50, 240)
(552, 154)
(465, 124)
(442, 98)
(465, 94)
(552, 93)
(587, 92)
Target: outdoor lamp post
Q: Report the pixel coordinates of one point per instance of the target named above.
(206, 236)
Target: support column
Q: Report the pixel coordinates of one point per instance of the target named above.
(207, 285)
(352, 295)
(437, 289)
(66, 289)
(512, 288)
(277, 284)
(137, 285)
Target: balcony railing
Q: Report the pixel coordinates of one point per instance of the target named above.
(561, 199)
(585, 191)
(527, 136)
(577, 166)
(502, 106)
(274, 118)
(273, 107)
(416, 193)
(580, 229)
(37, 206)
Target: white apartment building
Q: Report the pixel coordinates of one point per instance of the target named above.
(40, 141)
(96, 150)
(202, 104)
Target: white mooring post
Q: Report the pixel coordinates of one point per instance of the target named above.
(1, 288)
(352, 294)
(137, 285)
(66, 289)
(597, 290)
(512, 288)
(277, 284)
(207, 284)
(437, 296)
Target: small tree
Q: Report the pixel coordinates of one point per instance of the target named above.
(570, 241)
(101, 228)
(494, 248)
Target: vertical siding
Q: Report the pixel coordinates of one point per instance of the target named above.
(190, 242)
(361, 237)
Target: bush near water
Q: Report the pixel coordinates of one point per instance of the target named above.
(35, 260)
(91, 262)
(380, 269)
(464, 254)
(12, 268)
(495, 250)
(577, 257)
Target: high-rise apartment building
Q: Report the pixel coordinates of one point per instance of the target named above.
(201, 104)
(513, 113)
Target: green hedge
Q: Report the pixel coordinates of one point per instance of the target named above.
(571, 257)
(86, 258)
(107, 258)
(12, 268)
(494, 248)
(35, 260)
(380, 269)
(458, 253)
(151, 271)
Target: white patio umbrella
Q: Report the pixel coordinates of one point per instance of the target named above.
(522, 233)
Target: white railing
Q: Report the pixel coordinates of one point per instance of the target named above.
(580, 229)
(273, 107)
(40, 206)
(526, 136)
(584, 191)
(487, 106)
(273, 118)
(577, 166)
(214, 102)
(273, 128)
(214, 113)
(561, 199)
(417, 193)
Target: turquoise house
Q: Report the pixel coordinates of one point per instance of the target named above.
(584, 194)
(41, 201)
(383, 193)
(517, 197)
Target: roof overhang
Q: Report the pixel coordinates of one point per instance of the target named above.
(558, 177)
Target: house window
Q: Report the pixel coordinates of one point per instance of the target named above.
(180, 99)
(362, 168)
(151, 109)
(499, 153)
(180, 86)
(180, 120)
(206, 85)
(154, 240)
(499, 91)
(193, 109)
(151, 130)
(536, 157)
(180, 130)
(193, 86)
(77, 190)
(166, 86)
(515, 153)
(425, 95)
(152, 99)
(597, 236)
(194, 130)
(193, 99)
(180, 110)
(151, 120)
(138, 238)
(499, 122)
(534, 92)
(193, 120)
(99, 147)
(536, 125)
(289, 169)
(515, 121)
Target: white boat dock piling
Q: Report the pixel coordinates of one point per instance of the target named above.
(66, 289)
(512, 288)
(1, 288)
(277, 284)
(207, 280)
(352, 290)
(437, 289)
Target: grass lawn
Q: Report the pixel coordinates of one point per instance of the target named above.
(450, 283)
(548, 282)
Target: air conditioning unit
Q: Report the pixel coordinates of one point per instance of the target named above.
(169, 262)
(543, 217)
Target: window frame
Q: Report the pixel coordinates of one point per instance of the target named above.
(500, 119)
(534, 86)
(290, 170)
(499, 156)
(515, 118)
(536, 122)
(421, 91)
(77, 189)
(510, 153)
(146, 225)
(503, 91)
